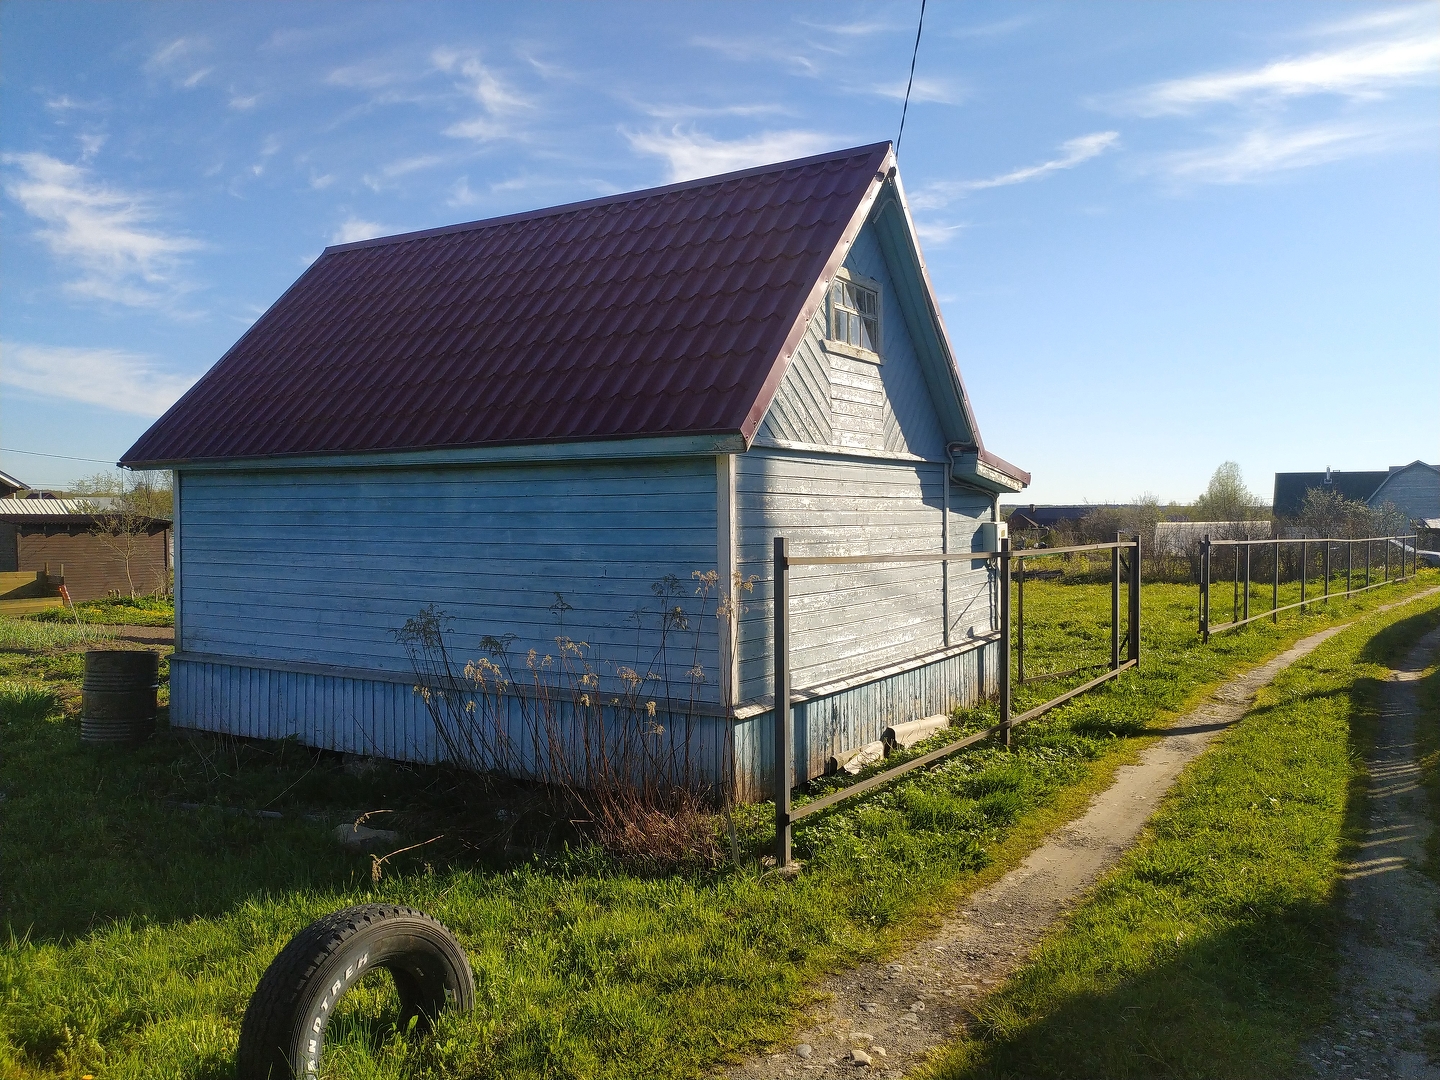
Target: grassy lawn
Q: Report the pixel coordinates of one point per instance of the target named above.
(137, 928)
(1212, 949)
(114, 611)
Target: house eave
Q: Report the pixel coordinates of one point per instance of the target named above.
(982, 469)
(522, 453)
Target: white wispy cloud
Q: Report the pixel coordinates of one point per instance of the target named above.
(936, 234)
(388, 174)
(1073, 152)
(939, 91)
(111, 236)
(243, 102)
(180, 62)
(106, 378)
(1407, 52)
(999, 28)
(354, 229)
(745, 50)
(1262, 152)
(500, 104)
(692, 153)
(674, 111)
(90, 144)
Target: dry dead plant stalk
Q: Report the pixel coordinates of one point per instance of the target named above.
(615, 746)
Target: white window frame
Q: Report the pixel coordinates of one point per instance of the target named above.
(844, 348)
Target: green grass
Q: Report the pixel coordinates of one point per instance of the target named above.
(137, 930)
(1212, 949)
(26, 636)
(114, 610)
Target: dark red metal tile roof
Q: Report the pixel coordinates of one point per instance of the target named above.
(661, 312)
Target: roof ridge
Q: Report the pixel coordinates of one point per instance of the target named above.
(608, 200)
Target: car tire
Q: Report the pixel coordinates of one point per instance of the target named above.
(283, 1034)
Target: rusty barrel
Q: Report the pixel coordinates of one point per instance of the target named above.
(118, 697)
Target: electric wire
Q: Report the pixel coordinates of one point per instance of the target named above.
(913, 57)
(61, 457)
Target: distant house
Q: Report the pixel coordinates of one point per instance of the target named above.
(1414, 489)
(57, 535)
(9, 486)
(1050, 516)
(549, 412)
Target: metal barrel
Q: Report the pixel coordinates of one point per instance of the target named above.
(118, 697)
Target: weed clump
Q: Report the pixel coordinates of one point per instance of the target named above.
(636, 756)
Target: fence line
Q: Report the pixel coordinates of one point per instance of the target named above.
(785, 817)
(1240, 616)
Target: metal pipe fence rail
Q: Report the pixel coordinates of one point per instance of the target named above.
(1242, 581)
(785, 816)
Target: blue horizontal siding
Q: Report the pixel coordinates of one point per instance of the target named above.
(847, 619)
(323, 566)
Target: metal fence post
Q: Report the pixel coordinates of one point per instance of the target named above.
(1134, 599)
(1247, 581)
(1275, 587)
(1005, 640)
(1304, 569)
(1327, 569)
(1349, 566)
(1387, 558)
(1235, 586)
(1367, 562)
(1020, 619)
(784, 747)
(1205, 588)
(1115, 605)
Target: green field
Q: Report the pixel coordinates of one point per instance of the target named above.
(137, 928)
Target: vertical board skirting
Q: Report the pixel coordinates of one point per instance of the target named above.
(388, 719)
(358, 716)
(856, 716)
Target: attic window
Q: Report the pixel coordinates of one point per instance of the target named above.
(855, 315)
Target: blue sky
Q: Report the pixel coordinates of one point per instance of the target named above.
(1164, 235)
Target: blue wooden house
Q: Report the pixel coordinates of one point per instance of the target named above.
(528, 421)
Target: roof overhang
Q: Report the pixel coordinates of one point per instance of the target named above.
(982, 469)
(513, 454)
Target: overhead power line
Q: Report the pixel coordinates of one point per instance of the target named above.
(913, 57)
(60, 457)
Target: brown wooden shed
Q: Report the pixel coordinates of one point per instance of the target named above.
(57, 535)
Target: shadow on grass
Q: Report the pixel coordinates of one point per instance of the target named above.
(191, 825)
(1231, 1005)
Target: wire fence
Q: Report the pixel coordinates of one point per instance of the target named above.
(1125, 567)
(1300, 572)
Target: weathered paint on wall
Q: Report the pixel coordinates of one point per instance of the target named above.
(323, 567)
(828, 400)
(847, 619)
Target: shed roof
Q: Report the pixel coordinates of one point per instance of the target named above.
(43, 511)
(666, 312)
